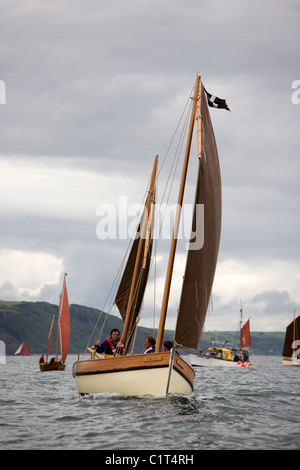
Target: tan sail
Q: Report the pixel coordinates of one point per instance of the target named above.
(134, 281)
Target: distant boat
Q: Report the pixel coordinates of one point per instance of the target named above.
(63, 335)
(164, 372)
(23, 350)
(226, 357)
(290, 353)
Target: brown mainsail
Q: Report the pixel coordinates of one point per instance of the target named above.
(134, 281)
(201, 260)
(291, 345)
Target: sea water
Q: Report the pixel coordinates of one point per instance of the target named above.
(234, 409)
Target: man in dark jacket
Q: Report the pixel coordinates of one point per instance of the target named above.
(109, 345)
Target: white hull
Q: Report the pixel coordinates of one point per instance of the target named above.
(290, 361)
(138, 375)
(134, 383)
(202, 361)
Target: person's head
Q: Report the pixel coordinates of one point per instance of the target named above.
(114, 334)
(149, 342)
(168, 345)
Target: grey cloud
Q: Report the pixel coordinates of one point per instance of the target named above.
(100, 87)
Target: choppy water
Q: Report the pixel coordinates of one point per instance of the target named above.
(252, 408)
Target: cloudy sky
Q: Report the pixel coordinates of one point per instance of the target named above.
(94, 89)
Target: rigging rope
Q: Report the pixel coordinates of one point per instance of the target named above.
(170, 181)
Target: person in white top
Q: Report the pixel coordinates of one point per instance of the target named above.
(149, 345)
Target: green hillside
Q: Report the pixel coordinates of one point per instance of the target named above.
(20, 321)
(263, 343)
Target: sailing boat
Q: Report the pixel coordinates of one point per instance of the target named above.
(226, 357)
(165, 372)
(23, 350)
(290, 353)
(63, 335)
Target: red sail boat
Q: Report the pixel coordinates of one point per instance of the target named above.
(23, 350)
(63, 335)
(221, 356)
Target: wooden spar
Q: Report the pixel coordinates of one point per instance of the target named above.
(176, 223)
(198, 117)
(49, 338)
(148, 229)
(57, 337)
(241, 317)
(139, 252)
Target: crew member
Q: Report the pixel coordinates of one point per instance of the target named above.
(109, 345)
(149, 345)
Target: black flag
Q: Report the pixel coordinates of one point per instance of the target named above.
(215, 102)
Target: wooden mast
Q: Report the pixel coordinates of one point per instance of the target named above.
(49, 339)
(139, 252)
(198, 117)
(59, 313)
(294, 332)
(57, 337)
(176, 223)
